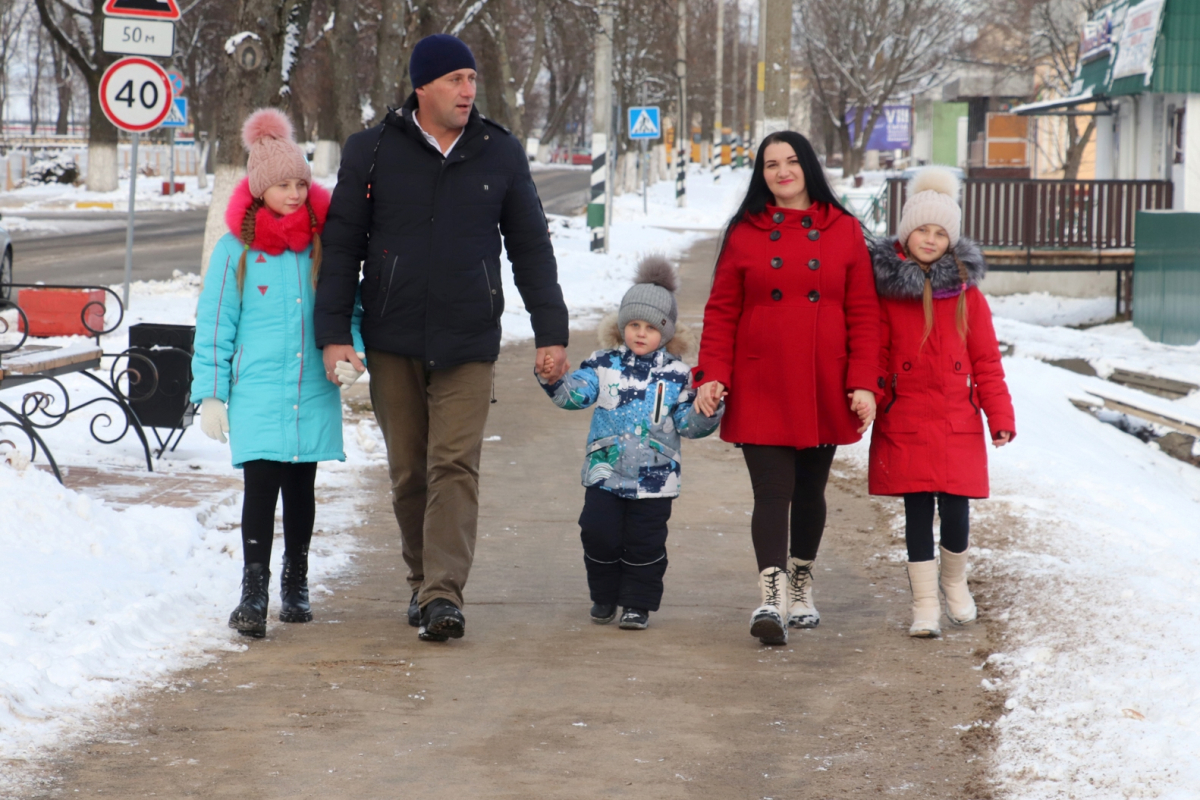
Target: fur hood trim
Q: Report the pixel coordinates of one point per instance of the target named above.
(899, 277)
(683, 345)
(274, 235)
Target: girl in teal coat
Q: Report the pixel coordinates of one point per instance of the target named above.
(255, 351)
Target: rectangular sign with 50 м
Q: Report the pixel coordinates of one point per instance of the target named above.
(139, 37)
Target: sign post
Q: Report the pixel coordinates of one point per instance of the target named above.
(176, 118)
(645, 124)
(135, 95)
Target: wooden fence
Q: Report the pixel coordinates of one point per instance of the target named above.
(1058, 224)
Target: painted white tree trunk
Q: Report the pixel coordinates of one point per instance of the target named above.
(102, 168)
(326, 158)
(225, 179)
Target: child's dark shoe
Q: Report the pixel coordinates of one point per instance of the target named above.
(250, 617)
(604, 613)
(635, 619)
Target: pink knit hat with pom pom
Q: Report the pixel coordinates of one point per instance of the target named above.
(274, 154)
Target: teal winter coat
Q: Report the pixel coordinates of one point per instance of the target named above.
(257, 352)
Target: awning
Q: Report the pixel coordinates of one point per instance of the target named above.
(1091, 86)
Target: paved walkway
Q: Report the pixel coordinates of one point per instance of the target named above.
(537, 702)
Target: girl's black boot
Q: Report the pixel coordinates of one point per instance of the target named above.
(250, 617)
(293, 590)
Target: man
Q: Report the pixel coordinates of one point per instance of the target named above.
(421, 203)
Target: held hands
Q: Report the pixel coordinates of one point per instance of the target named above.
(551, 363)
(709, 396)
(214, 419)
(862, 403)
(1002, 438)
(347, 373)
(335, 353)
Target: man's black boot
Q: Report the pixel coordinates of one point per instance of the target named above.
(441, 620)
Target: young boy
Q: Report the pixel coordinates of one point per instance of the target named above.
(631, 466)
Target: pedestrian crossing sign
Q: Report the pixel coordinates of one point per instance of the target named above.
(644, 122)
(177, 116)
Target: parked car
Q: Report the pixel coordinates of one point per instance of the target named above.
(6, 268)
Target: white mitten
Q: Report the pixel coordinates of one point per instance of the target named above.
(346, 372)
(214, 419)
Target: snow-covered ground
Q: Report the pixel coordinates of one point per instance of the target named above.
(65, 197)
(1102, 624)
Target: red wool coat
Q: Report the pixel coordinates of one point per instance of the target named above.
(791, 326)
(928, 434)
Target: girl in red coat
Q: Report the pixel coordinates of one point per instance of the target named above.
(791, 335)
(941, 366)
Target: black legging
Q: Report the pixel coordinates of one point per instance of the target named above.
(264, 482)
(787, 478)
(918, 523)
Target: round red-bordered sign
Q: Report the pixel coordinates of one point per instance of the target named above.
(135, 94)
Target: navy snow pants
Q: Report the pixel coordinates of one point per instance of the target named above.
(624, 548)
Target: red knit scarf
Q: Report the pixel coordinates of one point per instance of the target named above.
(274, 234)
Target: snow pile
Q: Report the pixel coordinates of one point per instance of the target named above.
(53, 196)
(60, 169)
(1040, 308)
(1101, 658)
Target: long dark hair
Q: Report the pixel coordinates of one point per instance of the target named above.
(758, 195)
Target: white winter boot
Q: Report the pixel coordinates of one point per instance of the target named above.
(768, 622)
(801, 611)
(927, 611)
(960, 606)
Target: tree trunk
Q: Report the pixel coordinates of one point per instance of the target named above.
(62, 77)
(343, 50)
(279, 26)
(391, 58)
(1078, 143)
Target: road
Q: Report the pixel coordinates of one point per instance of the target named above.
(536, 701)
(165, 241)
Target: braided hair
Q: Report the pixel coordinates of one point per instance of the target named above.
(246, 237)
(960, 314)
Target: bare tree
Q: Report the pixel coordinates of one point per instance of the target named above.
(12, 15)
(278, 27)
(863, 53)
(500, 24)
(78, 30)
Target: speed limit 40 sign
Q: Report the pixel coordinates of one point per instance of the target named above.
(135, 94)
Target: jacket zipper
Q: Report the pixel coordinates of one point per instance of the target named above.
(391, 277)
(659, 394)
(892, 402)
(491, 294)
(237, 370)
(971, 393)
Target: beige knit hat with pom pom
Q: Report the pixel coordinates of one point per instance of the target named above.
(274, 155)
(932, 200)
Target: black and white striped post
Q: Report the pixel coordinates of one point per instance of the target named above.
(683, 130)
(598, 212)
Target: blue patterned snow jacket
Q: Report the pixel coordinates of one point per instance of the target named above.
(643, 405)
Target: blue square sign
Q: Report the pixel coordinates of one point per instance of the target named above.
(644, 122)
(177, 116)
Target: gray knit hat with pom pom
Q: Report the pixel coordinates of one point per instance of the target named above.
(652, 297)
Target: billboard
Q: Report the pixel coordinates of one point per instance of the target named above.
(893, 129)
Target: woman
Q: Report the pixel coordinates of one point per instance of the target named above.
(791, 335)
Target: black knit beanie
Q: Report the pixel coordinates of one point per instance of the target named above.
(438, 55)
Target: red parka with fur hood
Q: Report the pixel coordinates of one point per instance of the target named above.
(792, 326)
(928, 434)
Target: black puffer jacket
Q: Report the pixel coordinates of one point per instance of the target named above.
(428, 241)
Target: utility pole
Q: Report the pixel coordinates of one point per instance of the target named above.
(760, 72)
(598, 211)
(777, 46)
(718, 125)
(747, 128)
(685, 125)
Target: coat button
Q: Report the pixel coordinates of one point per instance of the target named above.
(775, 236)
(776, 294)
(814, 235)
(879, 382)
(295, 458)
(907, 366)
(298, 300)
(431, 363)
(777, 217)
(957, 365)
(700, 375)
(814, 263)
(776, 262)
(294, 408)
(299, 355)
(806, 222)
(814, 296)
